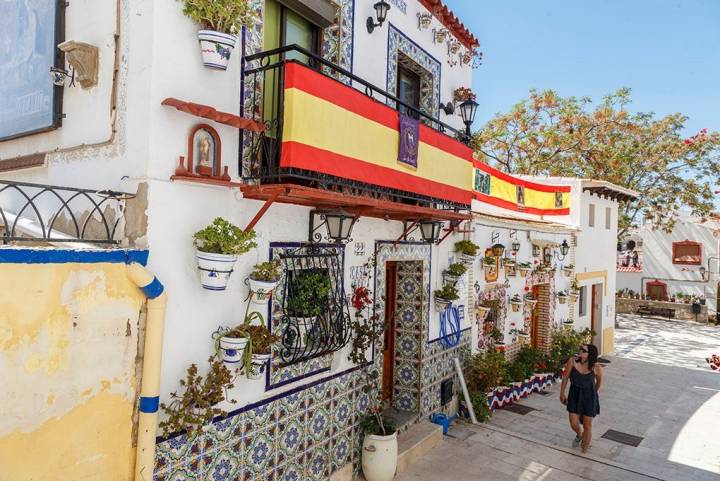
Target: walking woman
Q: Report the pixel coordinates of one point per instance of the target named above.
(583, 404)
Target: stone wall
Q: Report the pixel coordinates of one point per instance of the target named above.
(682, 311)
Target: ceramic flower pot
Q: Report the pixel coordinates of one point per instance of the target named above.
(259, 365)
(450, 279)
(467, 259)
(216, 48)
(232, 350)
(530, 303)
(515, 306)
(262, 290)
(215, 269)
(562, 299)
(524, 271)
(441, 304)
(379, 457)
(568, 272)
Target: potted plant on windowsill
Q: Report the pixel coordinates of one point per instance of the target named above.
(524, 268)
(562, 297)
(454, 272)
(221, 21)
(307, 299)
(516, 303)
(445, 296)
(568, 269)
(218, 246)
(467, 251)
(264, 279)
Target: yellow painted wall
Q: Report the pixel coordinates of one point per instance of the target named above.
(608, 340)
(68, 346)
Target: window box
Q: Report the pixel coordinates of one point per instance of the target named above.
(687, 253)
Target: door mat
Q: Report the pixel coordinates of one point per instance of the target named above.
(623, 438)
(520, 409)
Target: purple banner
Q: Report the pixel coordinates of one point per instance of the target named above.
(409, 140)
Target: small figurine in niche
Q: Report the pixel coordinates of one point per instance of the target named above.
(205, 153)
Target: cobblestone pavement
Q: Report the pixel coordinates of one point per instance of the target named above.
(658, 387)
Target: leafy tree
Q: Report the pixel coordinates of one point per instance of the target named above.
(550, 135)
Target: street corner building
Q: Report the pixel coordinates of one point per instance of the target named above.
(336, 131)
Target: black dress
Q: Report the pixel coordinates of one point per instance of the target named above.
(583, 398)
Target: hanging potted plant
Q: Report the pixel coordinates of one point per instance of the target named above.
(523, 336)
(467, 251)
(482, 312)
(307, 299)
(516, 303)
(445, 296)
(379, 449)
(220, 21)
(568, 322)
(264, 279)
(524, 268)
(260, 341)
(454, 272)
(562, 297)
(489, 264)
(231, 347)
(574, 290)
(568, 269)
(530, 300)
(217, 249)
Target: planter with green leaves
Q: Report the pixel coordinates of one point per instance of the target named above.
(218, 246)
(467, 250)
(489, 264)
(562, 297)
(260, 344)
(482, 312)
(307, 299)
(221, 22)
(380, 448)
(568, 269)
(568, 322)
(445, 296)
(454, 272)
(231, 347)
(524, 268)
(516, 303)
(264, 279)
(530, 300)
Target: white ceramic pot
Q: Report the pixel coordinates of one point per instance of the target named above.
(215, 269)
(259, 365)
(216, 48)
(262, 290)
(233, 349)
(379, 457)
(530, 303)
(467, 259)
(441, 304)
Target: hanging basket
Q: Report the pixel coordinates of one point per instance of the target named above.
(524, 271)
(515, 306)
(259, 365)
(568, 322)
(262, 290)
(215, 269)
(216, 48)
(232, 350)
(573, 297)
(450, 279)
(467, 259)
(562, 299)
(568, 272)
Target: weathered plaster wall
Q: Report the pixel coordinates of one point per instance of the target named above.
(68, 344)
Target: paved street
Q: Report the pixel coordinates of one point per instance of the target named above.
(658, 387)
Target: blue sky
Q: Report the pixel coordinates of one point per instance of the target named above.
(667, 51)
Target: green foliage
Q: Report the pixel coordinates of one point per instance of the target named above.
(525, 265)
(309, 291)
(565, 343)
(266, 271)
(485, 371)
(447, 293)
(574, 286)
(466, 247)
(490, 261)
(226, 16)
(480, 406)
(508, 261)
(222, 237)
(456, 269)
(375, 421)
(195, 407)
(260, 339)
(378, 425)
(516, 372)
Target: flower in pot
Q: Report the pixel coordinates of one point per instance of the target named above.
(307, 299)
(445, 296)
(568, 269)
(264, 278)
(220, 21)
(568, 322)
(515, 303)
(482, 312)
(454, 272)
(467, 250)
(562, 297)
(489, 264)
(218, 246)
(380, 449)
(530, 300)
(231, 347)
(524, 268)
(260, 342)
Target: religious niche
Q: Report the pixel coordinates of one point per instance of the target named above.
(203, 155)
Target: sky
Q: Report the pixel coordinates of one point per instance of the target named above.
(666, 51)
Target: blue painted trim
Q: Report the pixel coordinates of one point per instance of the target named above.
(461, 332)
(13, 255)
(154, 289)
(149, 404)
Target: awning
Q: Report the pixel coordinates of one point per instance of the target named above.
(208, 112)
(542, 243)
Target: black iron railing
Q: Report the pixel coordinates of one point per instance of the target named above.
(266, 71)
(36, 212)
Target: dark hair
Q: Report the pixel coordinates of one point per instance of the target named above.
(592, 355)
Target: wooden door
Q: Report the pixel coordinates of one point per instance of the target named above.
(535, 321)
(389, 339)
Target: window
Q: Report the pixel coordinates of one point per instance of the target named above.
(582, 301)
(687, 252)
(591, 215)
(656, 290)
(408, 89)
(608, 217)
(482, 182)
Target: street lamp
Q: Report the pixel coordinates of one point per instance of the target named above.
(338, 223)
(515, 246)
(430, 230)
(381, 10)
(467, 112)
(498, 250)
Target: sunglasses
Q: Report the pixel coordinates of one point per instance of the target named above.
(583, 349)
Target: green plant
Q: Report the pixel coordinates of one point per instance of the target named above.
(515, 299)
(574, 286)
(480, 406)
(375, 422)
(266, 271)
(226, 16)
(508, 261)
(222, 237)
(496, 334)
(466, 247)
(195, 407)
(516, 371)
(309, 291)
(525, 265)
(484, 371)
(490, 261)
(565, 343)
(456, 269)
(260, 339)
(447, 293)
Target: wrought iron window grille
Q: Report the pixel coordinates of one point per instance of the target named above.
(61, 214)
(314, 318)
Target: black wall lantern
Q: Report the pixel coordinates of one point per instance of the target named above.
(564, 249)
(430, 230)
(339, 225)
(516, 246)
(381, 10)
(448, 108)
(547, 257)
(498, 250)
(467, 111)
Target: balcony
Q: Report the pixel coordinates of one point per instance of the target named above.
(329, 144)
(626, 263)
